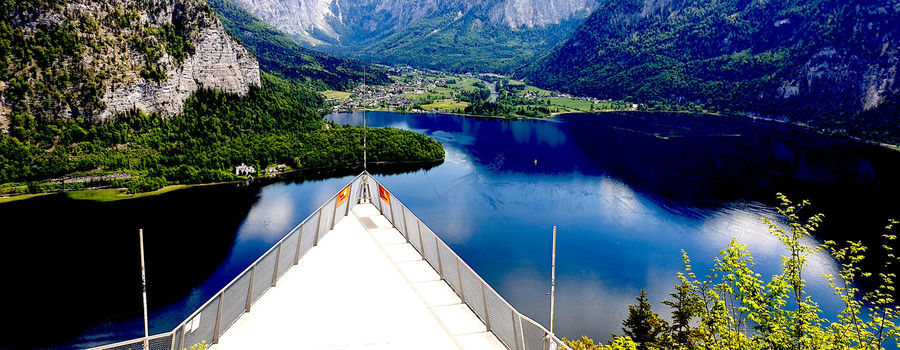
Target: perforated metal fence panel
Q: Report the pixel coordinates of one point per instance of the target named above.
(517, 326)
(448, 264)
(132, 345)
(354, 191)
(501, 317)
(205, 327)
(416, 241)
(262, 278)
(534, 335)
(472, 289)
(161, 343)
(288, 250)
(398, 223)
(430, 247)
(235, 301)
(412, 224)
(325, 222)
(177, 341)
(308, 233)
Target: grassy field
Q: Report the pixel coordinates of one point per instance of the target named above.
(116, 194)
(571, 103)
(20, 197)
(464, 83)
(529, 88)
(451, 104)
(340, 95)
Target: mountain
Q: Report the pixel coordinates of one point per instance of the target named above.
(822, 62)
(280, 55)
(95, 59)
(459, 35)
(144, 94)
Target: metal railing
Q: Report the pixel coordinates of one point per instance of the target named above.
(213, 318)
(515, 330)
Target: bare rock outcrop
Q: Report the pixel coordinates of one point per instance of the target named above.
(218, 63)
(97, 59)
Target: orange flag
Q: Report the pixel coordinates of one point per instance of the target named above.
(342, 196)
(384, 194)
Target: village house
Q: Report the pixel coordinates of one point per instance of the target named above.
(244, 170)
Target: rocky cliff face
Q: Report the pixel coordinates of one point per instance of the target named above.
(98, 58)
(349, 22)
(218, 62)
(530, 13)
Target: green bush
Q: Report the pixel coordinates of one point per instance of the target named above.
(734, 308)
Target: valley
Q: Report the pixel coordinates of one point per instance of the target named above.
(477, 95)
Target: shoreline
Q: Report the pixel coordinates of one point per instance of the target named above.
(114, 194)
(801, 126)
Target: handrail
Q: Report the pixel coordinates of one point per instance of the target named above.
(518, 334)
(138, 342)
(518, 340)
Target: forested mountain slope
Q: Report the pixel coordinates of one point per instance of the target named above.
(151, 93)
(828, 63)
(459, 35)
(279, 54)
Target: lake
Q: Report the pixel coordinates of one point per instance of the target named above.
(628, 192)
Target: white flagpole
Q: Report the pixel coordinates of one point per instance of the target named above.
(553, 281)
(365, 130)
(144, 290)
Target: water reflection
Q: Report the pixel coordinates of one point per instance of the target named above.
(628, 193)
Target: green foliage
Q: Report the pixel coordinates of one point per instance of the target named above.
(585, 343)
(277, 123)
(467, 44)
(735, 308)
(278, 54)
(642, 324)
(479, 94)
(55, 68)
(732, 56)
(510, 106)
(203, 345)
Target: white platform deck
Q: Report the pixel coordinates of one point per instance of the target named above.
(362, 287)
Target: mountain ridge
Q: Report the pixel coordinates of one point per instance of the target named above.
(821, 63)
(427, 29)
(280, 55)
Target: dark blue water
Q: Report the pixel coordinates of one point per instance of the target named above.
(627, 193)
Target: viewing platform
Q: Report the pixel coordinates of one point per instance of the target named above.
(361, 272)
(363, 286)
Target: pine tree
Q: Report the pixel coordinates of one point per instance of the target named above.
(686, 306)
(643, 325)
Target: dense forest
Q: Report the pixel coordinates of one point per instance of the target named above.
(52, 80)
(817, 62)
(277, 123)
(280, 55)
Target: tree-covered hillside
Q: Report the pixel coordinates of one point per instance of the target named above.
(54, 76)
(275, 123)
(468, 44)
(280, 55)
(454, 35)
(819, 62)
